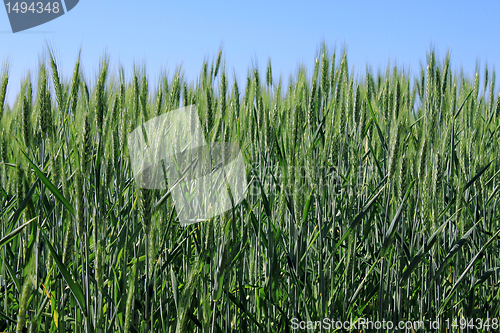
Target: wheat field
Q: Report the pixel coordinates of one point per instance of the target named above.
(372, 197)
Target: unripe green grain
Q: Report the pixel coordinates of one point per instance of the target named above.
(87, 142)
(135, 102)
(453, 99)
(29, 93)
(445, 73)
(349, 106)
(192, 98)
(3, 154)
(114, 113)
(362, 120)
(23, 303)
(80, 219)
(175, 93)
(411, 100)
(204, 74)
(101, 203)
(20, 184)
(217, 63)
(223, 93)
(394, 150)
(159, 101)
(497, 111)
(403, 176)
(426, 189)
(491, 96)
(130, 297)
(122, 94)
(267, 129)
(44, 103)
(99, 269)
(185, 91)
(437, 174)
(485, 85)
(153, 248)
(144, 98)
(476, 87)
(56, 170)
(429, 81)
(256, 86)
(209, 114)
(57, 83)
(3, 91)
(145, 197)
(325, 87)
(269, 74)
(338, 87)
(282, 202)
(311, 111)
(236, 100)
(385, 99)
(390, 105)
(332, 72)
(75, 85)
(463, 156)
(292, 125)
(271, 125)
(297, 193)
(446, 136)
(437, 102)
(370, 86)
(68, 244)
(246, 97)
(193, 120)
(344, 65)
(278, 105)
(27, 130)
(116, 150)
(210, 75)
(85, 93)
(422, 161)
(186, 297)
(397, 100)
(421, 85)
(357, 105)
(100, 98)
(47, 119)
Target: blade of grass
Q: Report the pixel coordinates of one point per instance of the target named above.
(50, 186)
(477, 176)
(75, 288)
(7, 238)
(454, 250)
(242, 308)
(359, 217)
(466, 271)
(392, 228)
(17, 283)
(379, 131)
(22, 206)
(463, 103)
(423, 250)
(7, 318)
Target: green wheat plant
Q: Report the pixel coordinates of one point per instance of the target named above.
(370, 197)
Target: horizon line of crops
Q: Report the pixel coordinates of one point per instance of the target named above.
(362, 203)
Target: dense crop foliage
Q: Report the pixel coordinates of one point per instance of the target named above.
(374, 198)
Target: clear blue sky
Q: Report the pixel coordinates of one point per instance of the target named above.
(164, 34)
